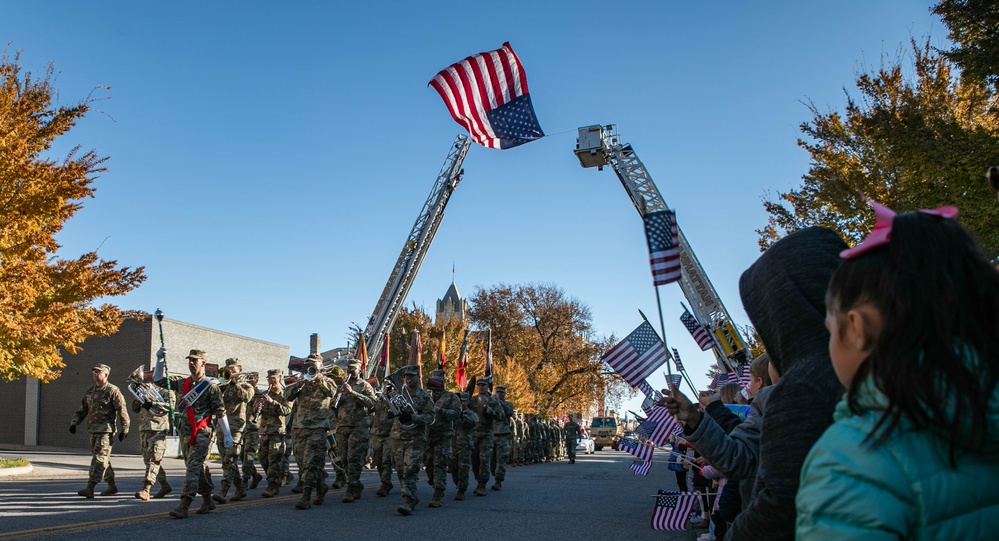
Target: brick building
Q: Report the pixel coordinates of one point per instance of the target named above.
(38, 413)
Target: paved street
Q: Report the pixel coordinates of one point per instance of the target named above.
(596, 498)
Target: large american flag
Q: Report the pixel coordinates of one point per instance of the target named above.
(638, 355)
(641, 468)
(697, 330)
(672, 510)
(487, 94)
(664, 246)
(666, 425)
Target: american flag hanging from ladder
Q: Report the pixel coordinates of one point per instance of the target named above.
(664, 246)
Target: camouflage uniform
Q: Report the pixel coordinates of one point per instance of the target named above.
(153, 427)
(235, 396)
(312, 399)
(462, 446)
(571, 439)
(251, 441)
(501, 438)
(195, 440)
(447, 408)
(273, 416)
(353, 431)
(517, 444)
(381, 444)
(101, 407)
(486, 407)
(408, 444)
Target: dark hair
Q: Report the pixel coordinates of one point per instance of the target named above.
(936, 356)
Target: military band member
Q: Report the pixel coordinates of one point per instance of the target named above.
(103, 405)
(462, 446)
(154, 422)
(381, 440)
(313, 399)
(501, 437)
(409, 438)
(235, 395)
(196, 430)
(353, 426)
(571, 439)
(273, 415)
(447, 408)
(487, 409)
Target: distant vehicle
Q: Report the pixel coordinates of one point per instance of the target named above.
(628, 436)
(604, 431)
(585, 445)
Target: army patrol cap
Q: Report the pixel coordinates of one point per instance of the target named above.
(232, 361)
(354, 362)
(314, 358)
(197, 354)
(482, 383)
(274, 372)
(411, 370)
(102, 368)
(500, 389)
(436, 379)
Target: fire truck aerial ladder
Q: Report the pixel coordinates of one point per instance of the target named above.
(415, 249)
(597, 146)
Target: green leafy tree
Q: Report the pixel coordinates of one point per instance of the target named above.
(46, 301)
(908, 142)
(974, 28)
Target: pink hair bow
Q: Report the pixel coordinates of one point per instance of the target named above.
(881, 234)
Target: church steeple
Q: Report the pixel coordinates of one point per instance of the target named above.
(452, 305)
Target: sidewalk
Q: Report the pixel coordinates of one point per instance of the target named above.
(64, 463)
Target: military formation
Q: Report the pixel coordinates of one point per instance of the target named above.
(326, 415)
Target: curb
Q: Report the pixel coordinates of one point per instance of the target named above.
(20, 470)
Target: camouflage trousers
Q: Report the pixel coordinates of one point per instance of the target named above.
(352, 443)
(272, 456)
(230, 456)
(438, 455)
(312, 462)
(381, 457)
(153, 445)
(461, 461)
(501, 455)
(100, 463)
(407, 455)
(482, 455)
(570, 448)
(196, 477)
(251, 445)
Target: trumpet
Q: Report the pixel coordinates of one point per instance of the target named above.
(226, 377)
(144, 391)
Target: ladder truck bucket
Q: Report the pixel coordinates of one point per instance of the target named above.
(592, 146)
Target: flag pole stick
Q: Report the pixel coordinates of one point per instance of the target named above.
(662, 326)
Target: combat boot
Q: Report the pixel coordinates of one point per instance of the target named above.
(256, 480)
(407, 506)
(498, 484)
(461, 493)
(240, 490)
(306, 501)
(384, 489)
(207, 504)
(144, 493)
(181, 510)
(165, 489)
(271, 490)
(298, 488)
(88, 492)
(339, 481)
(348, 495)
(112, 488)
(435, 501)
(223, 491)
(357, 491)
(321, 491)
(480, 490)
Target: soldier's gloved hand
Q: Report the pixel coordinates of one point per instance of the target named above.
(121, 436)
(147, 404)
(406, 417)
(227, 441)
(72, 429)
(161, 354)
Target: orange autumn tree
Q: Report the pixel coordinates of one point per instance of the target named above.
(46, 301)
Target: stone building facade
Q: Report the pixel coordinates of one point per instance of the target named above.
(452, 306)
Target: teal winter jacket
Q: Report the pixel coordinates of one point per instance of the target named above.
(901, 489)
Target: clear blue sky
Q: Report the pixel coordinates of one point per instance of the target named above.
(269, 159)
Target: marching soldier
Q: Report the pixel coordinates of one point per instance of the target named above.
(447, 408)
(571, 439)
(409, 437)
(251, 440)
(102, 405)
(462, 446)
(273, 414)
(235, 395)
(501, 437)
(487, 409)
(312, 397)
(204, 404)
(381, 442)
(353, 427)
(153, 427)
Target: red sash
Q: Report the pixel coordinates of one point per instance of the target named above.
(195, 426)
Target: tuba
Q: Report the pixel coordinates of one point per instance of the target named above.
(400, 400)
(144, 391)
